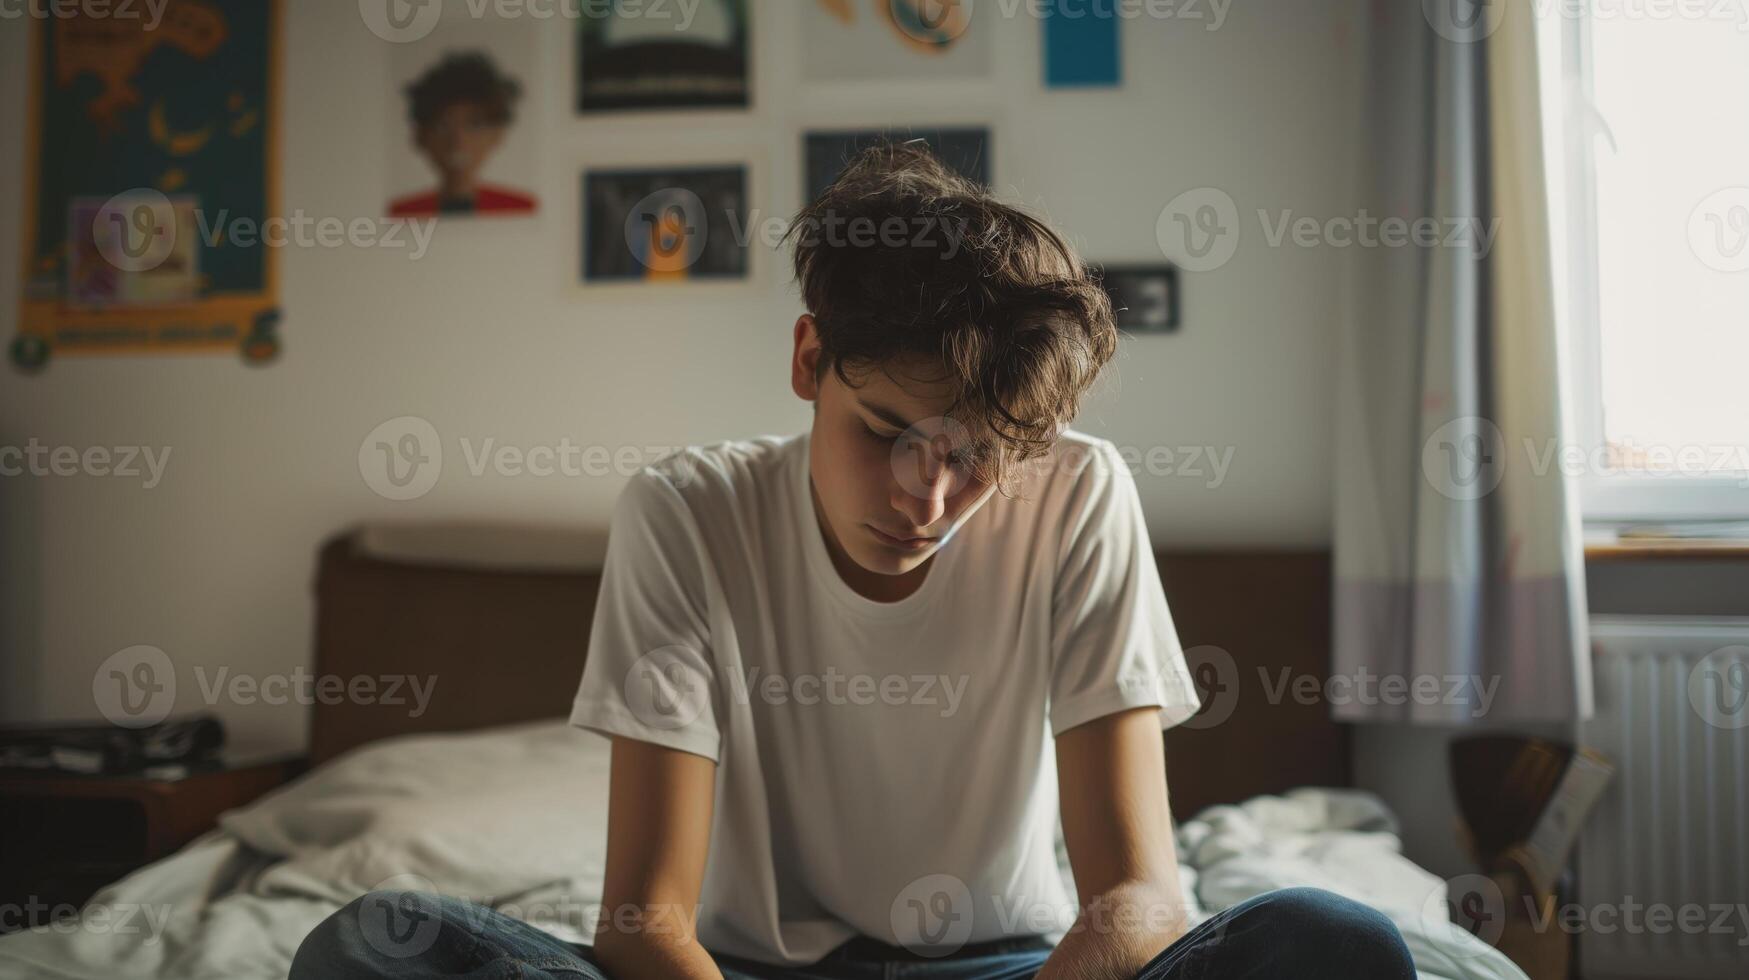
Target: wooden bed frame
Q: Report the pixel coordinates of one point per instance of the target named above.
(507, 645)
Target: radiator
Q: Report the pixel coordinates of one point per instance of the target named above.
(1672, 830)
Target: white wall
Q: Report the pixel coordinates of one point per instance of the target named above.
(490, 336)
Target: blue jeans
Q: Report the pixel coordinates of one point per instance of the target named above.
(1299, 933)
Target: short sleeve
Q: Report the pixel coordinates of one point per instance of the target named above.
(1113, 645)
(649, 673)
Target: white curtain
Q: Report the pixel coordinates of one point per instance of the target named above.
(1459, 563)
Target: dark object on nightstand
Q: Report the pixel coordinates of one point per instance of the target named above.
(98, 748)
(62, 837)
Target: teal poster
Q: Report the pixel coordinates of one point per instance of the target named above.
(152, 175)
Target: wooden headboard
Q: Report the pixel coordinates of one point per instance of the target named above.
(1264, 612)
(495, 646)
(499, 646)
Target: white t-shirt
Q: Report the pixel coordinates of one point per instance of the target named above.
(884, 768)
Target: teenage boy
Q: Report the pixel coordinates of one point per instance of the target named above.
(854, 677)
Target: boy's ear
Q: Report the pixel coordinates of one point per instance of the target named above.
(805, 359)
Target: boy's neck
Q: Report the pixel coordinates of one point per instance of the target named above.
(870, 585)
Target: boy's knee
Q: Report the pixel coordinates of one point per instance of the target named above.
(1328, 928)
(369, 935)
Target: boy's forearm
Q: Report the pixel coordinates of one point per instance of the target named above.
(1119, 932)
(648, 958)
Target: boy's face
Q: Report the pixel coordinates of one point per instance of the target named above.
(458, 140)
(884, 461)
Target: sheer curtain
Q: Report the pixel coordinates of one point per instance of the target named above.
(1459, 562)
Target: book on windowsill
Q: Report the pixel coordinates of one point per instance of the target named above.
(1686, 531)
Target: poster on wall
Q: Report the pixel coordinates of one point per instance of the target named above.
(665, 225)
(151, 181)
(862, 40)
(663, 56)
(1081, 50)
(965, 148)
(459, 145)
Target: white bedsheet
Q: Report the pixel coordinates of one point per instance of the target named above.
(1344, 841)
(516, 818)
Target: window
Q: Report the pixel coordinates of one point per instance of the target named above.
(1655, 136)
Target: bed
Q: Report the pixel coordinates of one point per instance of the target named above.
(462, 799)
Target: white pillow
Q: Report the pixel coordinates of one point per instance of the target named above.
(483, 816)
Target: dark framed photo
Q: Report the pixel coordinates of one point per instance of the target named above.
(1144, 297)
(672, 224)
(824, 153)
(661, 58)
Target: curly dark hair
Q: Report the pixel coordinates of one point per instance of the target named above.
(1019, 325)
(463, 76)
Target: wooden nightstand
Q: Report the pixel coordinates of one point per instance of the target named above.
(62, 837)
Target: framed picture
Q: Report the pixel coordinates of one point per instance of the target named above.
(1143, 297)
(457, 146)
(926, 40)
(658, 56)
(824, 153)
(665, 225)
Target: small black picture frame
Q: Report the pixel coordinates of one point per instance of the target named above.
(1144, 298)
